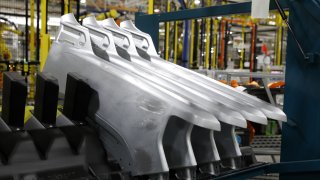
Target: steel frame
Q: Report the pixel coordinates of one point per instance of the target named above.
(300, 134)
(150, 23)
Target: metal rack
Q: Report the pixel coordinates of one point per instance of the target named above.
(300, 150)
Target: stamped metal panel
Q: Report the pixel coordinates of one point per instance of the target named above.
(201, 144)
(130, 112)
(104, 47)
(144, 42)
(249, 112)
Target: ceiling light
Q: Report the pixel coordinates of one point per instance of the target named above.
(157, 10)
(197, 2)
(272, 23)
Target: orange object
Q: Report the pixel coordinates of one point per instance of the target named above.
(276, 84)
(254, 83)
(252, 131)
(234, 83)
(223, 81)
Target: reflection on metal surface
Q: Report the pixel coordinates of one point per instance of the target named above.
(114, 107)
(152, 115)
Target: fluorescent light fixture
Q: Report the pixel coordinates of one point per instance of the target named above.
(272, 23)
(197, 2)
(83, 1)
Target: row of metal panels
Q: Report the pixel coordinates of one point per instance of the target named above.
(152, 115)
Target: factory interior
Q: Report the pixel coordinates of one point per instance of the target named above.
(159, 90)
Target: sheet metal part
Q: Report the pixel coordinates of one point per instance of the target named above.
(269, 110)
(131, 113)
(102, 37)
(165, 69)
(229, 116)
(105, 48)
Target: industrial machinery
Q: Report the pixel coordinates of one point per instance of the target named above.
(149, 114)
(45, 146)
(206, 99)
(128, 114)
(6, 26)
(301, 103)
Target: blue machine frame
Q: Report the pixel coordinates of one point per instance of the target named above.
(300, 152)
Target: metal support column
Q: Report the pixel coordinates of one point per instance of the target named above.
(78, 10)
(210, 44)
(253, 59)
(45, 38)
(175, 49)
(300, 135)
(215, 43)
(243, 49)
(150, 6)
(279, 39)
(27, 31)
(38, 30)
(191, 51)
(167, 35)
(32, 70)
